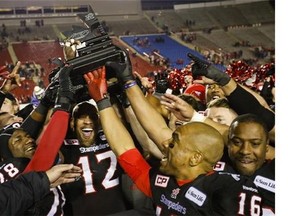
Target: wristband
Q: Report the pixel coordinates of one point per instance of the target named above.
(62, 106)
(130, 84)
(103, 104)
(197, 117)
(62, 103)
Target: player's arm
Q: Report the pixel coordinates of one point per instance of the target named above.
(185, 112)
(123, 146)
(152, 121)
(49, 143)
(117, 135)
(146, 143)
(54, 134)
(19, 194)
(34, 122)
(237, 96)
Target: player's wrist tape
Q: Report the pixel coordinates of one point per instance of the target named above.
(197, 117)
(103, 104)
(130, 84)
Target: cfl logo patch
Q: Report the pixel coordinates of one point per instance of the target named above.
(161, 181)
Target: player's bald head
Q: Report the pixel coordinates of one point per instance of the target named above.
(205, 138)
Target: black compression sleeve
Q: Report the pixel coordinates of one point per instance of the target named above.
(243, 102)
(33, 127)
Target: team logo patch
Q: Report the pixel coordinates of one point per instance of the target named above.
(71, 142)
(102, 135)
(175, 192)
(267, 184)
(195, 196)
(161, 181)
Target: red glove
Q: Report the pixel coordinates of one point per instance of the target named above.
(97, 84)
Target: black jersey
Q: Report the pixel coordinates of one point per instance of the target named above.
(263, 178)
(50, 205)
(16, 195)
(98, 192)
(217, 193)
(11, 168)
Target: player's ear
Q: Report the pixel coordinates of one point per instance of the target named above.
(72, 124)
(196, 158)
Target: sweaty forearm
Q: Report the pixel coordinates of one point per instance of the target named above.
(146, 143)
(152, 121)
(117, 135)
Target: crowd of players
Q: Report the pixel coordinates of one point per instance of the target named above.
(206, 149)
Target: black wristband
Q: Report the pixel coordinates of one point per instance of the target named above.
(64, 107)
(103, 104)
(63, 103)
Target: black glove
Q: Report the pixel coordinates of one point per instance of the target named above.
(161, 82)
(161, 86)
(204, 68)
(123, 68)
(50, 94)
(66, 90)
(52, 75)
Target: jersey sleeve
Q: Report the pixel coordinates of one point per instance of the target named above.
(50, 143)
(137, 169)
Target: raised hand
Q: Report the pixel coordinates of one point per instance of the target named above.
(12, 80)
(204, 68)
(144, 80)
(66, 88)
(123, 68)
(96, 83)
(180, 108)
(97, 87)
(66, 91)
